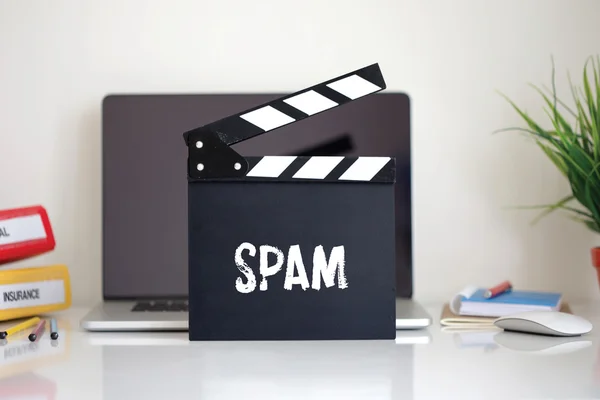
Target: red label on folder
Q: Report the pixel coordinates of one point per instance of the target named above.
(24, 232)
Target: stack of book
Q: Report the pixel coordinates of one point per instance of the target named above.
(24, 292)
(471, 308)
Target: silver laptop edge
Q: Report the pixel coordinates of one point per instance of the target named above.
(117, 316)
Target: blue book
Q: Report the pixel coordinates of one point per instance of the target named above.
(509, 303)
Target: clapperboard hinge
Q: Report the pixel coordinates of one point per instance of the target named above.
(210, 156)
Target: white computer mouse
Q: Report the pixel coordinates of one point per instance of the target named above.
(552, 323)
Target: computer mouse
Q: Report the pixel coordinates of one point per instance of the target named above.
(552, 323)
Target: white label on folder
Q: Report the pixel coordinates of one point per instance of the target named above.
(21, 229)
(32, 294)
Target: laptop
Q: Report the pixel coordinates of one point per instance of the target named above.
(144, 193)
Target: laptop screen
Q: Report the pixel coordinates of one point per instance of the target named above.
(144, 188)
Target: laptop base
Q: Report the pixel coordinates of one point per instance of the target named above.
(119, 316)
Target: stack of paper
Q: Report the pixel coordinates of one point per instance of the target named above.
(451, 319)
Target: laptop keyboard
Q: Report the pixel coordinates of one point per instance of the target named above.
(161, 306)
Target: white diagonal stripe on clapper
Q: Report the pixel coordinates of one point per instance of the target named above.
(318, 167)
(271, 166)
(267, 118)
(364, 168)
(354, 87)
(311, 102)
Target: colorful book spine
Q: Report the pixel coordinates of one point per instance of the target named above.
(24, 232)
(34, 291)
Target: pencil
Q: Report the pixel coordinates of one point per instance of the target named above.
(497, 290)
(37, 331)
(53, 329)
(19, 327)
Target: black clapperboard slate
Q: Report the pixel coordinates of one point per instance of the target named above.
(290, 247)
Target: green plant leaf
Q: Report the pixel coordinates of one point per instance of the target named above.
(572, 142)
(592, 205)
(586, 163)
(593, 112)
(565, 139)
(562, 103)
(562, 128)
(552, 134)
(592, 225)
(572, 164)
(555, 157)
(550, 208)
(583, 118)
(532, 125)
(569, 144)
(597, 85)
(589, 223)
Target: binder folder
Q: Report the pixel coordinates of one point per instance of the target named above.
(25, 232)
(290, 247)
(27, 292)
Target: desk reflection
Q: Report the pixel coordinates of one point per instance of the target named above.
(27, 386)
(18, 354)
(20, 361)
(507, 365)
(265, 370)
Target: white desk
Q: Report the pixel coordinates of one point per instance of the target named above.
(430, 364)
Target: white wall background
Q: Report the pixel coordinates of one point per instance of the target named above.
(59, 58)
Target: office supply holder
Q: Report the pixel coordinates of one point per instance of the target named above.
(287, 247)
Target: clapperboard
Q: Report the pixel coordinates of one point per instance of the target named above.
(290, 247)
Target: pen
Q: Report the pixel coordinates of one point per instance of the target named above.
(498, 289)
(37, 331)
(53, 329)
(19, 327)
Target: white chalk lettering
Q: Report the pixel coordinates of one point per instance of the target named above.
(265, 269)
(245, 269)
(295, 261)
(323, 269)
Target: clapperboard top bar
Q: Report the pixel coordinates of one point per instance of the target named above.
(210, 156)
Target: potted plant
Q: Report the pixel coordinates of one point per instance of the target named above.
(571, 141)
